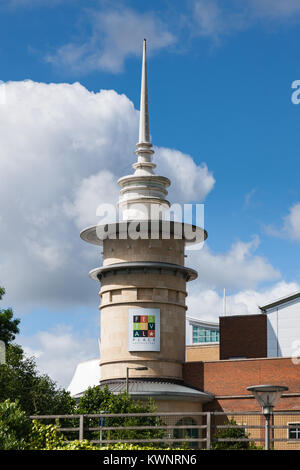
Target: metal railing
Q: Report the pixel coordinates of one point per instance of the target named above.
(197, 429)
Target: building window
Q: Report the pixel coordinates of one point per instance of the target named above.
(187, 433)
(205, 335)
(294, 431)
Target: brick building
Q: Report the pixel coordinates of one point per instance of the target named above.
(253, 349)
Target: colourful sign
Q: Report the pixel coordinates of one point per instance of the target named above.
(144, 329)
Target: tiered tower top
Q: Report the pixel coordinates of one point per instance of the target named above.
(143, 193)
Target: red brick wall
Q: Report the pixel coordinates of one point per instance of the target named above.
(243, 336)
(231, 378)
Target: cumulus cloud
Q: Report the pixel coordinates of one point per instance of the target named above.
(57, 352)
(100, 187)
(62, 149)
(241, 271)
(54, 138)
(189, 181)
(117, 34)
(207, 304)
(290, 227)
(238, 268)
(292, 223)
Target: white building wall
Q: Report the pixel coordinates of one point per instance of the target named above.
(188, 333)
(283, 329)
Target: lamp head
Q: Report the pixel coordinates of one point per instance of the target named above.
(267, 395)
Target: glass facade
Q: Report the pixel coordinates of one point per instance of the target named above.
(205, 335)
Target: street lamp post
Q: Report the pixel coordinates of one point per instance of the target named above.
(127, 374)
(267, 397)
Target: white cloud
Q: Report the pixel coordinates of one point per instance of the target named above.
(207, 304)
(209, 18)
(276, 9)
(241, 271)
(238, 268)
(58, 352)
(214, 18)
(97, 188)
(117, 34)
(53, 139)
(249, 197)
(190, 182)
(62, 150)
(291, 225)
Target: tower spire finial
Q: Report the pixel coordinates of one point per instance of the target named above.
(144, 133)
(143, 193)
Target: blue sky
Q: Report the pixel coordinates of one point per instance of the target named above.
(220, 76)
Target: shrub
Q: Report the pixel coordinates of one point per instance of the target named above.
(14, 426)
(86, 445)
(125, 446)
(233, 433)
(76, 445)
(45, 436)
(95, 400)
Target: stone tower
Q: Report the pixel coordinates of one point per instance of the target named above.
(143, 278)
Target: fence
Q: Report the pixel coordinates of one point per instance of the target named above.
(201, 430)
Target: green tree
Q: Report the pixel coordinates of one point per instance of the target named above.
(95, 400)
(20, 380)
(15, 427)
(8, 326)
(36, 393)
(231, 433)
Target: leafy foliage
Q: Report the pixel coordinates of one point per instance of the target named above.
(86, 445)
(232, 433)
(20, 433)
(19, 377)
(14, 427)
(37, 394)
(8, 325)
(77, 445)
(96, 400)
(45, 437)
(125, 446)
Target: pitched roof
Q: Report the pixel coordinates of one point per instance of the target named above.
(280, 301)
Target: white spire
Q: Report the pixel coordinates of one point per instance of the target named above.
(144, 147)
(143, 193)
(144, 134)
